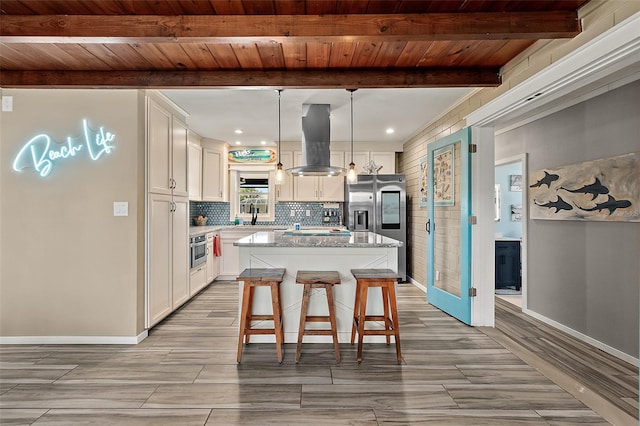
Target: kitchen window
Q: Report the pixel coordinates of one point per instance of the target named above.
(252, 191)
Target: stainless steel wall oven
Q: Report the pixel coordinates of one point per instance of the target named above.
(198, 250)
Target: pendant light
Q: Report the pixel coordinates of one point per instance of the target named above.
(280, 174)
(352, 175)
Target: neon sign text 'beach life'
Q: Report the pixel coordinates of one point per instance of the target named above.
(41, 152)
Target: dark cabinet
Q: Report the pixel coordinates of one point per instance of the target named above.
(508, 264)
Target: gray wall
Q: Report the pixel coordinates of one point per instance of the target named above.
(584, 275)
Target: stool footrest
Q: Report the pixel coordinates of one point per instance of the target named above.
(260, 331)
(314, 332)
(378, 332)
(317, 318)
(261, 318)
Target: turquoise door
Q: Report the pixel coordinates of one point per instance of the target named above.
(448, 226)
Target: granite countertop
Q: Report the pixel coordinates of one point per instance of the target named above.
(279, 239)
(199, 230)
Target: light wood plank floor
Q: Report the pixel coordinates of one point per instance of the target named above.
(185, 373)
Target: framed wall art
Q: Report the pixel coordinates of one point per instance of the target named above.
(516, 212)
(607, 189)
(443, 176)
(515, 183)
(423, 183)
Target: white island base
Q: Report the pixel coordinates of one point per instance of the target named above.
(340, 259)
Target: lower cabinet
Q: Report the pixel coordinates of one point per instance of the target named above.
(230, 259)
(212, 260)
(197, 278)
(508, 264)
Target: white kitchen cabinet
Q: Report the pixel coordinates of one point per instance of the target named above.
(284, 192)
(230, 259)
(212, 260)
(319, 188)
(180, 251)
(179, 143)
(213, 172)
(362, 159)
(167, 147)
(385, 159)
(159, 135)
(168, 252)
(168, 285)
(197, 279)
(195, 172)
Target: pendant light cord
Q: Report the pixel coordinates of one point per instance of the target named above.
(279, 127)
(351, 91)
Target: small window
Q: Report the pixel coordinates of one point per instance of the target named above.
(252, 191)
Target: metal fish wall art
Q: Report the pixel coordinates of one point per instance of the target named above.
(606, 189)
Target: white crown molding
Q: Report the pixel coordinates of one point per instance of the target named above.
(74, 340)
(611, 51)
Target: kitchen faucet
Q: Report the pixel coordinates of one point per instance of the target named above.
(254, 214)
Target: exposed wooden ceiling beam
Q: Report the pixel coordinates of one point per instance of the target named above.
(359, 78)
(283, 28)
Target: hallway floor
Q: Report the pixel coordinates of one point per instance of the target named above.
(185, 373)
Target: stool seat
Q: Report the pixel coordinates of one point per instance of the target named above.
(386, 280)
(374, 274)
(258, 277)
(311, 280)
(318, 277)
(262, 274)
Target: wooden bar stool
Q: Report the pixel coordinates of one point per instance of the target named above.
(257, 277)
(311, 280)
(386, 280)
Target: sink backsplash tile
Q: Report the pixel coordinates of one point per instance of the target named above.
(218, 214)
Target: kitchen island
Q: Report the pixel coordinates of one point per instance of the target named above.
(302, 251)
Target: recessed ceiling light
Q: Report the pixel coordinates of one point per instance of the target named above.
(390, 130)
(238, 143)
(238, 132)
(263, 142)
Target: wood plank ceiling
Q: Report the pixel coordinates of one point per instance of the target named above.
(271, 43)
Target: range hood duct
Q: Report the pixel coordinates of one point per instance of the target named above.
(316, 132)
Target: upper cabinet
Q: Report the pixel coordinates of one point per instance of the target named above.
(195, 171)
(385, 159)
(362, 159)
(213, 173)
(160, 150)
(179, 158)
(315, 188)
(167, 147)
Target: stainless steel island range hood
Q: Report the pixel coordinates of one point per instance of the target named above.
(316, 133)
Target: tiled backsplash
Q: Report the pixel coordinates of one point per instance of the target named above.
(218, 214)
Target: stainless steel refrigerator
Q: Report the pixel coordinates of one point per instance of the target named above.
(378, 203)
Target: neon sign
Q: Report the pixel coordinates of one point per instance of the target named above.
(41, 153)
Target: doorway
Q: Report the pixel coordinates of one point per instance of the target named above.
(510, 195)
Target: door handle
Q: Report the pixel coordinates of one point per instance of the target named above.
(428, 227)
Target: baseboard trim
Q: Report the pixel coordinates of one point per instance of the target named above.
(417, 284)
(587, 339)
(74, 340)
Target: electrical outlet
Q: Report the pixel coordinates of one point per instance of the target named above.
(308, 212)
(293, 213)
(437, 277)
